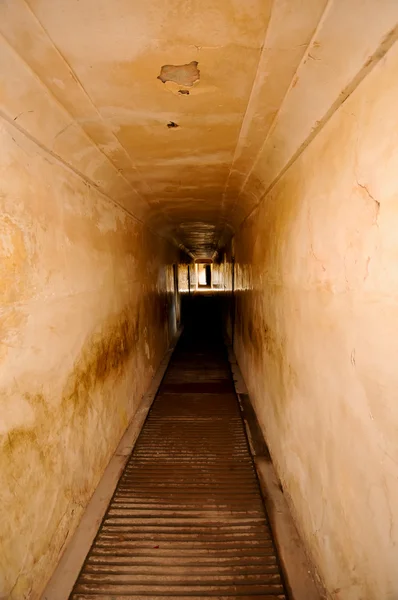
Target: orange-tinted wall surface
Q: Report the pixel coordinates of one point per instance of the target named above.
(87, 311)
(316, 316)
(287, 141)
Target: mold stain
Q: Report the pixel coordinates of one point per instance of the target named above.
(27, 459)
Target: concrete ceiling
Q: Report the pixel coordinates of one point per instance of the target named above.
(99, 62)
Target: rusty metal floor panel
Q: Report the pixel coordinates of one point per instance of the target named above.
(187, 518)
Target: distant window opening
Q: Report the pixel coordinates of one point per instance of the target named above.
(204, 276)
(208, 275)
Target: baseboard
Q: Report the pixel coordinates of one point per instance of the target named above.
(62, 581)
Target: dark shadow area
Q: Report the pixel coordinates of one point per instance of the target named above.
(207, 317)
(202, 318)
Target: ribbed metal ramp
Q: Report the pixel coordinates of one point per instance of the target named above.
(187, 519)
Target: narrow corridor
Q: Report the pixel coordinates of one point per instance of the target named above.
(241, 156)
(187, 517)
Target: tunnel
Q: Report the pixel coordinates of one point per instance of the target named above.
(199, 293)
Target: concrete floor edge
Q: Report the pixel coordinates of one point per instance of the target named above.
(63, 579)
(300, 574)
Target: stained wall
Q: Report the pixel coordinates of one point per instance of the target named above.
(87, 311)
(290, 130)
(316, 279)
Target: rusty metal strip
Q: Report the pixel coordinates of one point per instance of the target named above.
(187, 518)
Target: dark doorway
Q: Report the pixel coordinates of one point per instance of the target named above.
(204, 275)
(208, 275)
(176, 302)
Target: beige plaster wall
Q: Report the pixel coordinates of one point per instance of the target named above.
(87, 311)
(316, 321)
(88, 307)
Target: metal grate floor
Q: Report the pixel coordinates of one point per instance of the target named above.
(187, 519)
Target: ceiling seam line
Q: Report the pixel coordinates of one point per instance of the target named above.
(263, 46)
(63, 163)
(390, 39)
(75, 121)
(76, 78)
(274, 120)
(72, 119)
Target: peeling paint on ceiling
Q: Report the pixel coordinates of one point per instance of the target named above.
(182, 74)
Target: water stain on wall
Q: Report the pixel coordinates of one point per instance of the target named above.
(104, 354)
(31, 457)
